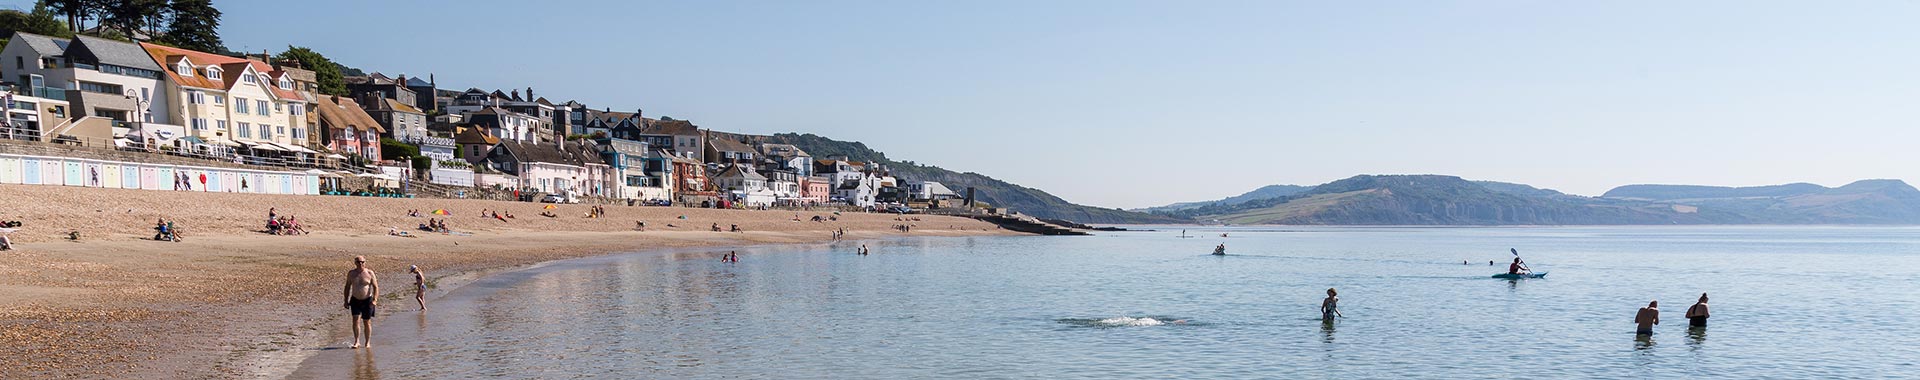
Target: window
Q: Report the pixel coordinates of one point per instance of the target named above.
(199, 124)
(213, 72)
(297, 109)
(262, 107)
(276, 107)
(246, 78)
(300, 133)
(266, 132)
(101, 88)
(280, 129)
(240, 104)
(184, 69)
(221, 125)
(197, 97)
(219, 99)
(19, 63)
(244, 130)
(286, 84)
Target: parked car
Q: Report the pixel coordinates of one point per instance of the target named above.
(902, 210)
(557, 198)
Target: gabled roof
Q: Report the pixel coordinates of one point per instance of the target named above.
(670, 127)
(474, 134)
(417, 82)
(231, 67)
(782, 151)
(543, 101)
(397, 105)
(112, 52)
(43, 44)
(736, 171)
(342, 113)
(724, 145)
(273, 82)
(569, 153)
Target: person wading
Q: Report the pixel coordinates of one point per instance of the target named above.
(419, 286)
(1697, 314)
(1330, 307)
(362, 295)
(1647, 318)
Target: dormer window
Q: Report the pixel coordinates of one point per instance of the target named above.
(286, 84)
(213, 72)
(184, 68)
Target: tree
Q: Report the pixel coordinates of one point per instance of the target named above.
(75, 10)
(193, 26)
(130, 16)
(41, 21)
(325, 71)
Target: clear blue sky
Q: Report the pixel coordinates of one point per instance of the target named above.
(1128, 104)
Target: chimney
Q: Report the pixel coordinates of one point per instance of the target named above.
(529, 93)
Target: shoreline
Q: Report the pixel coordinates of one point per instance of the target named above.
(229, 298)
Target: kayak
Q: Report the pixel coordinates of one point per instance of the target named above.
(1523, 275)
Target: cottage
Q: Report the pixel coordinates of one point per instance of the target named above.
(346, 129)
(560, 168)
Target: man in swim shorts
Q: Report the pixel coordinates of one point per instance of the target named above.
(362, 295)
(1647, 317)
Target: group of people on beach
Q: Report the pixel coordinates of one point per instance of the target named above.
(164, 230)
(283, 224)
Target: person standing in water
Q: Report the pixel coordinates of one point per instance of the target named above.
(1330, 307)
(1697, 314)
(362, 295)
(1647, 318)
(419, 286)
(863, 249)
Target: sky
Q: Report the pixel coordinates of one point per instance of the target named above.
(1133, 104)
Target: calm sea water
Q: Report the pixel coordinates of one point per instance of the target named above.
(1788, 302)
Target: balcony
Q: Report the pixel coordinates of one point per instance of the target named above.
(42, 92)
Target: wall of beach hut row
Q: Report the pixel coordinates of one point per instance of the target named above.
(62, 171)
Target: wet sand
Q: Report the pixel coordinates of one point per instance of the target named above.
(233, 302)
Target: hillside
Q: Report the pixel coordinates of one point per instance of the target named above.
(1264, 192)
(995, 192)
(1447, 200)
(1878, 201)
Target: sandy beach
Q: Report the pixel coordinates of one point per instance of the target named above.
(230, 298)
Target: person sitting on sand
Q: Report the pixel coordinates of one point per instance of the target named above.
(1330, 307)
(716, 227)
(549, 214)
(1647, 318)
(733, 227)
(509, 215)
(639, 225)
(6, 243)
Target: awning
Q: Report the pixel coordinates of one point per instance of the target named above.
(264, 146)
(336, 156)
(194, 139)
(321, 173)
(295, 148)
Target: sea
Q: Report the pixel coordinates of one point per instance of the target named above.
(1789, 302)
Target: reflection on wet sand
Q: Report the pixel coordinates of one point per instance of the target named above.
(363, 368)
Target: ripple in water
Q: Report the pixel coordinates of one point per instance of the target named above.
(1144, 321)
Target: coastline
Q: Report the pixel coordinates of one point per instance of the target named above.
(232, 302)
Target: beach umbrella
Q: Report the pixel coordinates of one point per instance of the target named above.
(550, 207)
(441, 212)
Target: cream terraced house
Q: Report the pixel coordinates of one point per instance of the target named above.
(227, 99)
(112, 79)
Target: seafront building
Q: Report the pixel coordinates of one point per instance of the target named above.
(157, 117)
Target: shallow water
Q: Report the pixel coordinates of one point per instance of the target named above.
(1788, 302)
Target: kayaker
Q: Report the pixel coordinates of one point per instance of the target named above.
(1697, 314)
(1330, 307)
(1517, 267)
(1647, 318)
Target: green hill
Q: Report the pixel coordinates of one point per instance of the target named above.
(995, 192)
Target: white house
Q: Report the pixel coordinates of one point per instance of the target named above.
(113, 79)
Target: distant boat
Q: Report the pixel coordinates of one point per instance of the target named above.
(1220, 250)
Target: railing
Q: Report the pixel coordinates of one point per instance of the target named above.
(191, 151)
